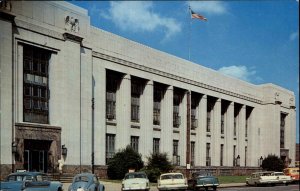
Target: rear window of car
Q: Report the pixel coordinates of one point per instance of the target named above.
(81, 179)
(19, 178)
(135, 175)
(171, 176)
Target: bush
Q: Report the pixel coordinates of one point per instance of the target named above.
(124, 160)
(273, 163)
(158, 163)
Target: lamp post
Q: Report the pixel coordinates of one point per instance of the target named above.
(260, 161)
(238, 160)
(14, 151)
(64, 150)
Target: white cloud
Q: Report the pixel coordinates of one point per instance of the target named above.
(138, 16)
(209, 7)
(240, 72)
(294, 36)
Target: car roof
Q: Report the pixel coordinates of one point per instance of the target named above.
(172, 173)
(27, 173)
(135, 173)
(85, 174)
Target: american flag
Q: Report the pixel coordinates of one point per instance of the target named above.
(197, 16)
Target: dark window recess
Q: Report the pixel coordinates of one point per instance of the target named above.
(35, 85)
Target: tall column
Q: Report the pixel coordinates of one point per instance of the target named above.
(146, 139)
(216, 134)
(200, 150)
(188, 127)
(241, 126)
(6, 87)
(99, 94)
(183, 130)
(167, 123)
(123, 113)
(229, 123)
(70, 59)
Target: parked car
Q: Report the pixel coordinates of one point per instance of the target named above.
(29, 181)
(172, 181)
(203, 180)
(86, 181)
(293, 172)
(282, 178)
(135, 181)
(260, 178)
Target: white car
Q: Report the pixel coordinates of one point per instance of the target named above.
(172, 181)
(135, 181)
(260, 178)
(282, 178)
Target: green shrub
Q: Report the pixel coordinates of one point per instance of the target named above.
(122, 161)
(158, 163)
(272, 163)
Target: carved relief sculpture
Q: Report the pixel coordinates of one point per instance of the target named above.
(5, 5)
(71, 24)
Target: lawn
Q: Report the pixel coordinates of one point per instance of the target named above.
(232, 179)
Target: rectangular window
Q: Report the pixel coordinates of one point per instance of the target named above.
(245, 156)
(112, 81)
(209, 113)
(35, 84)
(176, 117)
(134, 142)
(176, 157)
(234, 126)
(208, 159)
(156, 145)
(110, 146)
(221, 155)
(192, 153)
(157, 97)
(234, 153)
(222, 123)
(282, 129)
(136, 90)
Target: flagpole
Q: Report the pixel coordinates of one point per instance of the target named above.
(189, 35)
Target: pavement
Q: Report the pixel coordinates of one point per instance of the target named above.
(113, 186)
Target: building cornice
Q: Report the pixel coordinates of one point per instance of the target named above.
(172, 76)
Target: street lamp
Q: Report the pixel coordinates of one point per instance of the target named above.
(238, 160)
(14, 147)
(260, 161)
(64, 150)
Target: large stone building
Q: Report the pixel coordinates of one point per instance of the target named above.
(76, 93)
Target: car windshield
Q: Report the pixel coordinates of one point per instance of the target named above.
(19, 178)
(278, 173)
(81, 179)
(135, 175)
(171, 176)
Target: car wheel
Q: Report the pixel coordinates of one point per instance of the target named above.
(206, 188)
(214, 188)
(59, 189)
(255, 184)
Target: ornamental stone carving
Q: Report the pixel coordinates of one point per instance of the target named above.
(5, 5)
(71, 24)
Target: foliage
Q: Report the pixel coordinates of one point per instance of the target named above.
(158, 163)
(272, 163)
(122, 161)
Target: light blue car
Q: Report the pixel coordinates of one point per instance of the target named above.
(29, 181)
(86, 182)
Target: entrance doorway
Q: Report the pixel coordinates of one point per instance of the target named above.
(36, 155)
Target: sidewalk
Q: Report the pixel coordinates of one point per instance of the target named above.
(112, 186)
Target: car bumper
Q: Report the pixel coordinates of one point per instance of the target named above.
(173, 187)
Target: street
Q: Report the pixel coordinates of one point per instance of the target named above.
(293, 187)
(109, 186)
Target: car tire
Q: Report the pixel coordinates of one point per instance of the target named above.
(214, 188)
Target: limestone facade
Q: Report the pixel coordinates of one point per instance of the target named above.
(206, 119)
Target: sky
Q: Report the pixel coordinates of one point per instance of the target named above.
(255, 41)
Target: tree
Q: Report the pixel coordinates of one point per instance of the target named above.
(272, 163)
(158, 163)
(122, 161)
